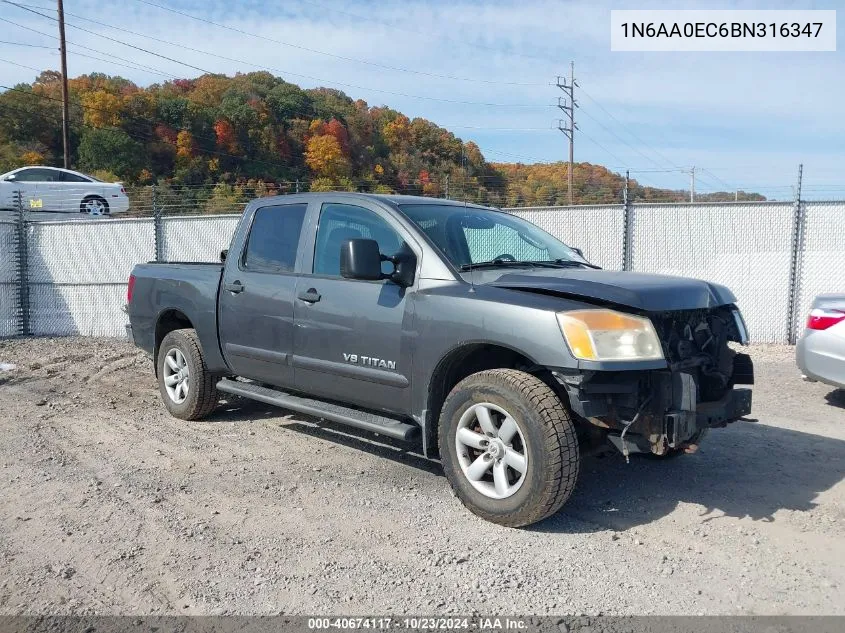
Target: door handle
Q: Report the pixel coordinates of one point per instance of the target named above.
(235, 287)
(309, 296)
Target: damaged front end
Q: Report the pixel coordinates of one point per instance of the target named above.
(665, 410)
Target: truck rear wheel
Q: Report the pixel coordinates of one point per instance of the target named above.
(188, 389)
(508, 447)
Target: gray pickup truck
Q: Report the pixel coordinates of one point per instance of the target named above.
(499, 348)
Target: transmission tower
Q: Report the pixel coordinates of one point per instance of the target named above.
(567, 125)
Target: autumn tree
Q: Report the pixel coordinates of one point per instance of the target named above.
(324, 157)
(185, 146)
(397, 133)
(258, 128)
(225, 136)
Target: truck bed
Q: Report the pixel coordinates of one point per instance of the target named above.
(176, 290)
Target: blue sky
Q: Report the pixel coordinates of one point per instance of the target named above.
(743, 119)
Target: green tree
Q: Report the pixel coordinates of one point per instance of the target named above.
(111, 150)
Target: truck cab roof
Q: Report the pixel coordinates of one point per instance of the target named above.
(393, 199)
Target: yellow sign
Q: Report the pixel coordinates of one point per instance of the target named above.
(36, 204)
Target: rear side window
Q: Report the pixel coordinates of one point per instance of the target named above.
(66, 177)
(274, 238)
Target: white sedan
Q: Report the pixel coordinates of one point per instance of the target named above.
(54, 190)
(821, 350)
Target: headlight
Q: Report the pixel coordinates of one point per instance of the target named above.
(741, 328)
(609, 335)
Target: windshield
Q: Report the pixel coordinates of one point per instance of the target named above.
(468, 235)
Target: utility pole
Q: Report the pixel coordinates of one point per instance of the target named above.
(692, 184)
(795, 265)
(628, 224)
(447, 186)
(569, 110)
(65, 115)
(625, 190)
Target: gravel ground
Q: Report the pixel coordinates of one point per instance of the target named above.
(110, 506)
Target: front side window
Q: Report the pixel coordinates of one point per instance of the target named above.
(35, 175)
(467, 235)
(341, 222)
(274, 238)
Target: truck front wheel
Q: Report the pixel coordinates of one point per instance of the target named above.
(508, 447)
(188, 389)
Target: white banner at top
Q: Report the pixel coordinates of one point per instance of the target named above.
(723, 30)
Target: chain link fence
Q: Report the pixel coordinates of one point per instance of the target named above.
(166, 200)
(598, 230)
(745, 246)
(819, 257)
(9, 281)
(77, 274)
(62, 277)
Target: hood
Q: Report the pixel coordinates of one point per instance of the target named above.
(642, 291)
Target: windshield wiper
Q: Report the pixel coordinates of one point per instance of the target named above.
(571, 263)
(493, 263)
(557, 263)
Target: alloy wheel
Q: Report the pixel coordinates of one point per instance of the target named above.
(492, 452)
(176, 375)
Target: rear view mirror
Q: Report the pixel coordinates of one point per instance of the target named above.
(577, 250)
(360, 259)
(10, 177)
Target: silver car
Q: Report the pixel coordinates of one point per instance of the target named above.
(54, 190)
(821, 350)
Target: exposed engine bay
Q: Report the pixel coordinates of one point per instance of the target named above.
(696, 342)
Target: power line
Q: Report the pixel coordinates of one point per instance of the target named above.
(629, 131)
(496, 129)
(619, 138)
(270, 68)
(716, 178)
(25, 44)
(170, 75)
(522, 156)
(140, 66)
(626, 128)
(333, 55)
(130, 67)
(8, 61)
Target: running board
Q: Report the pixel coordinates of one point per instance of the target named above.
(330, 411)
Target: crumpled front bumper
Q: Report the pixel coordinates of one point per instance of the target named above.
(658, 410)
(680, 426)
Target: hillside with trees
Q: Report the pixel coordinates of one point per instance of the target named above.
(258, 131)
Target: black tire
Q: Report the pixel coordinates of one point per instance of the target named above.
(672, 453)
(87, 199)
(202, 396)
(551, 445)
